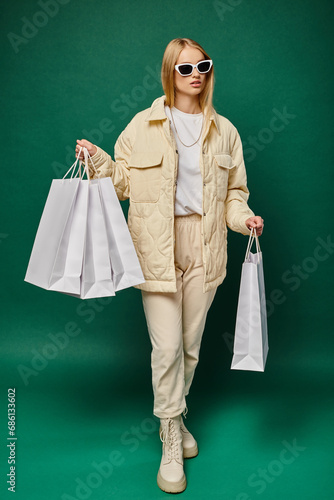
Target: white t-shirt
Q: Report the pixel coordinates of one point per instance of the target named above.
(188, 198)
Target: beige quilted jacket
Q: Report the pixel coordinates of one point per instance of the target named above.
(145, 170)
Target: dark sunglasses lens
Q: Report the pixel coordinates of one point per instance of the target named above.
(204, 66)
(185, 69)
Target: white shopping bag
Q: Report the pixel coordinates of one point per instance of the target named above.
(67, 269)
(53, 237)
(95, 273)
(124, 260)
(83, 246)
(97, 279)
(251, 335)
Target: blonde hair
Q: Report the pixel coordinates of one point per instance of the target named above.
(169, 59)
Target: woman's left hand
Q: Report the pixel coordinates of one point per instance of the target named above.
(257, 222)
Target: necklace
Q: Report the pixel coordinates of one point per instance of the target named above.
(180, 137)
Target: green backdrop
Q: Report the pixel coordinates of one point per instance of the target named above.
(81, 369)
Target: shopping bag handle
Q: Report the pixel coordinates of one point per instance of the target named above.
(86, 169)
(73, 166)
(253, 236)
(87, 157)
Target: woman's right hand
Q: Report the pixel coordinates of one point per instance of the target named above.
(84, 144)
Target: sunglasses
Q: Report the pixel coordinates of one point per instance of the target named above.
(186, 69)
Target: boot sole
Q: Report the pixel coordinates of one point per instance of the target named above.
(170, 487)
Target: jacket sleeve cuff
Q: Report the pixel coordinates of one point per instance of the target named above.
(238, 223)
(243, 227)
(100, 164)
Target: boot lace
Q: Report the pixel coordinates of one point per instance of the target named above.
(169, 440)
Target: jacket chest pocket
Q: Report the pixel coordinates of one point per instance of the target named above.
(145, 176)
(224, 164)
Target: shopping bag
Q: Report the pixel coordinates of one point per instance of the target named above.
(47, 267)
(251, 335)
(97, 278)
(83, 246)
(67, 269)
(112, 241)
(124, 260)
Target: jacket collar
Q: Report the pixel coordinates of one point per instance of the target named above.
(157, 112)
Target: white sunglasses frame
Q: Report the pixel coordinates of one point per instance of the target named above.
(194, 66)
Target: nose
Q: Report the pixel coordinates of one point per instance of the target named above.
(196, 74)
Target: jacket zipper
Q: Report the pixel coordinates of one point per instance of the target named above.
(203, 196)
(173, 145)
(202, 152)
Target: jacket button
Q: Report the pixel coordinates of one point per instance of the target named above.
(204, 184)
(176, 151)
(204, 214)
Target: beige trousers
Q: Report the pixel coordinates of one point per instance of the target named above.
(176, 321)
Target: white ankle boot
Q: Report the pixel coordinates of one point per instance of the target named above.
(171, 477)
(189, 444)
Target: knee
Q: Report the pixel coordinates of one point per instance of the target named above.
(167, 355)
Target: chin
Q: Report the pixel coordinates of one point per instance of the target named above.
(193, 90)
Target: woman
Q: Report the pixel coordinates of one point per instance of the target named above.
(181, 164)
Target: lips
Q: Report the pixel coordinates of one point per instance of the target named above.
(195, 84)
